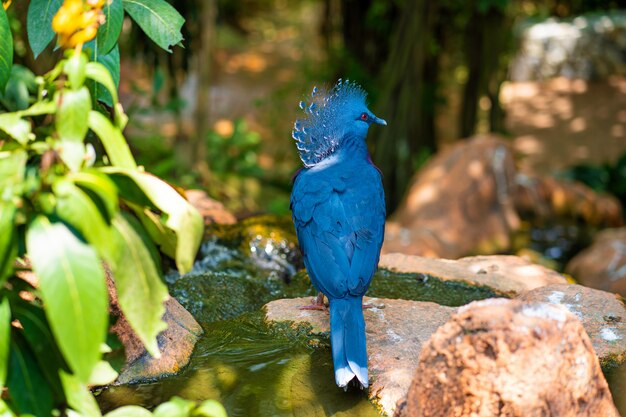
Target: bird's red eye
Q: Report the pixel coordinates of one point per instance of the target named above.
(364, 116)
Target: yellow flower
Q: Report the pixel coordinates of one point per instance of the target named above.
(77, 22)
(7, 4)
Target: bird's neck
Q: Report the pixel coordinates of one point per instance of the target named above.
(354, 147)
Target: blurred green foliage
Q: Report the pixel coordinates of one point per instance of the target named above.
(608, 178)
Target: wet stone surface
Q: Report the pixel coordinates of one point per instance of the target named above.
(504, 274)
(396, 331)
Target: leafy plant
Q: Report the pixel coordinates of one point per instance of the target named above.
(65, 211)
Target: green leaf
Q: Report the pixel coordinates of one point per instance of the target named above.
(16, 127)
(28, 389)
(75, 208)
(178, 215)
(158, 19)
(103, 374)
(165, 238)
(5, 337)
(109, 32)
(6, 50)
(8, 241)
(21, 84)
(111, 61)
(101, 190)
(73, 288)
(72, 153)
(78, 396)
(114, 142)
(140, 291)
(72, 114)
(39, 23)
(12, 167)
(129, 411)
(101, 74)
(39, 108)
(74, 68)
(5, 411)
(39, 336)
(210, 408)
(175, 407)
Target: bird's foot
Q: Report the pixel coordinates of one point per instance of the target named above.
(317, 303)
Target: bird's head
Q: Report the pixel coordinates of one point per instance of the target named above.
(332, 115)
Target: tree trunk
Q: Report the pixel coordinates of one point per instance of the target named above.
(204, 70)
(488, 36)
(407, 100)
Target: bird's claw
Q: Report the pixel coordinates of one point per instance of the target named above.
(317, 303)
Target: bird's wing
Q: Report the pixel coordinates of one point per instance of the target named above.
(366, 215)
(340, 226)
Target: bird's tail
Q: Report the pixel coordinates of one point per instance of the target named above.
(347, 339)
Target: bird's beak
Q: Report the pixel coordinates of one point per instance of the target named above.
(379, 121)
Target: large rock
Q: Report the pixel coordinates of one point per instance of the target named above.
(175, 343)
(212, 211)
(603, 264)
(469, 200)
(602, 314)
(508, 275)
(396, 331)
(508, 358)
(460, 203)
(551, 198)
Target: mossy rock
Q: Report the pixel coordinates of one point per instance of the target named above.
(218, 296)
(270, 241)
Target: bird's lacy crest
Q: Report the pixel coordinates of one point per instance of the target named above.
(319, 134)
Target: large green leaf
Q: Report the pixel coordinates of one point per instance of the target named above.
(39, 337)
(39, 23)
(114, 142)
(72, 125)
(103, 374)
(16, 127)
(73, 110)
(110, 30)
(73, 288)
(102, 74)
(39, 108)
(8, 240)
(5, 337)
(178, 215)
(6, 50)
(173, 409)
(28, 389)
(140, 291)
(129, 411)
(78, 210)
(101, 190)
(72, 153)
(159, 20)
(5, 411)
(21, 85)
(111, 62)
(12, 167)
(78, 396)
(74, 69)
(210, 408)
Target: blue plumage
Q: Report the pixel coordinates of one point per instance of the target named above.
(338, 208)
